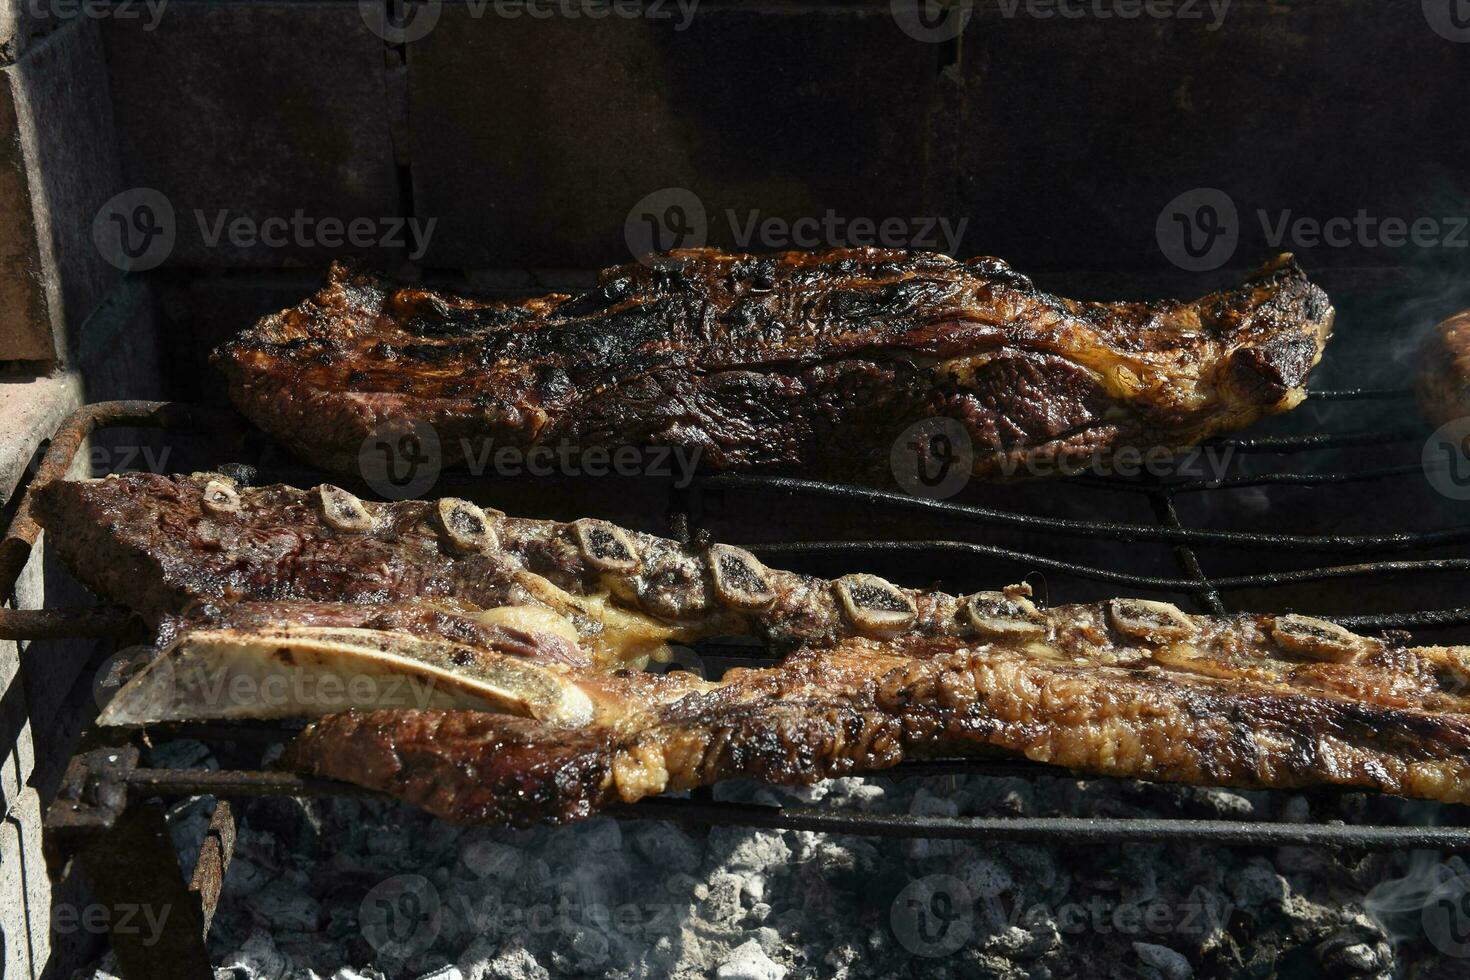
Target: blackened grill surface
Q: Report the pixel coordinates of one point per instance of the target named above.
(809, 360)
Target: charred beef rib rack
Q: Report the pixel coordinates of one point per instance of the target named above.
(1129, 688)
(817, 361)
(187, 551)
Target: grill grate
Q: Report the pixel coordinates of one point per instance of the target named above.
(102, 777)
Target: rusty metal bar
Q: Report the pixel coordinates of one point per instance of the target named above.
(215, 853)
(1080, 830)
(20, 538)
(1110, 530)
(50, 624)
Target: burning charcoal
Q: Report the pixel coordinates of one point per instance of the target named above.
(1359, 951)
(282, 906)
(749, 962)
(1172, 965)
(258, 959)
(239, 474)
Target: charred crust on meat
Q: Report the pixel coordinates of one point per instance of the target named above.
(343, 511)
(220, 498)
(1317, 639)
(809, 361)
(874, 605)
(740, 580)
(466, 527)
(606, 547)
(1150, 621)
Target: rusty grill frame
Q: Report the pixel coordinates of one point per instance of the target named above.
(108, 810)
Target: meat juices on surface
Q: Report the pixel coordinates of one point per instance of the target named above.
(809, 361)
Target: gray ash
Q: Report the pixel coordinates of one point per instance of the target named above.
(349, 889)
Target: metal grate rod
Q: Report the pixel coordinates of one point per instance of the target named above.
(1112, 530)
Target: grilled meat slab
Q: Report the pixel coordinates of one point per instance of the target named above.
(811, 360)
(865, 705)
(1444, 371)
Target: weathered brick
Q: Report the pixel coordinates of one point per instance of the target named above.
(58, 166)
(256, 111)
